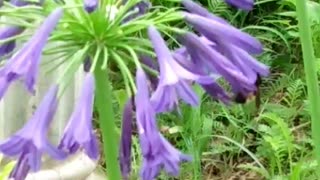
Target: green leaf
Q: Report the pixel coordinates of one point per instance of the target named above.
(5, 172)
(122, 98)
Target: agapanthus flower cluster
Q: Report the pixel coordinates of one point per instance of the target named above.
(216, 50)
(31, 142)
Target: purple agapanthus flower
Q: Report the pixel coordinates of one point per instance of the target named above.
(195, 8)
(79, 132)
(157, 152)
(250, 67)
(213, 88)
(25, 2)
(173, 80)
(229, 50)
(126, 141)
(215, 30)
(150, 63)
(8, 32)
(30, 142)
(25, 63)
(217, 92)
(138, 9)
(217, 63)
(90, 5)
(242, 4)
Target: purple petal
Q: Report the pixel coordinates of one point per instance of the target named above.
(24, 64)
(90, 5)
(216, 92)
(187, 94)
(21, 169)
(215, 30)
(126, 141)
(25, 2)
(31, 142)
(79, 132)
(8, 32)
(156, 150)
(217, 62)
(139, 9)
(242, 4)
(195, 8)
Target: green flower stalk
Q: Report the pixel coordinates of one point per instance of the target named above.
(311, 73)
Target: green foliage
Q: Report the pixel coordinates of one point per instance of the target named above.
(273, 142)
(5, 169)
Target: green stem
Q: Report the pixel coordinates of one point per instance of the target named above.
(311, 73)
(107, 123)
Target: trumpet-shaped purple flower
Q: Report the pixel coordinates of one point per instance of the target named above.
(242, 4)
(147, 60)
(157, 152)
(31, 142)
(227, 44)
(250, 67)
(126, 141)
(217, 92)
(25, 63)
(8, 32)
(212, 88)
(216, 62)
(78, 132)
(215, 30)
(90, 5)
(195, 8)
(173, 77)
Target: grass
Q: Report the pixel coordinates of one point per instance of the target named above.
(242, 141)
